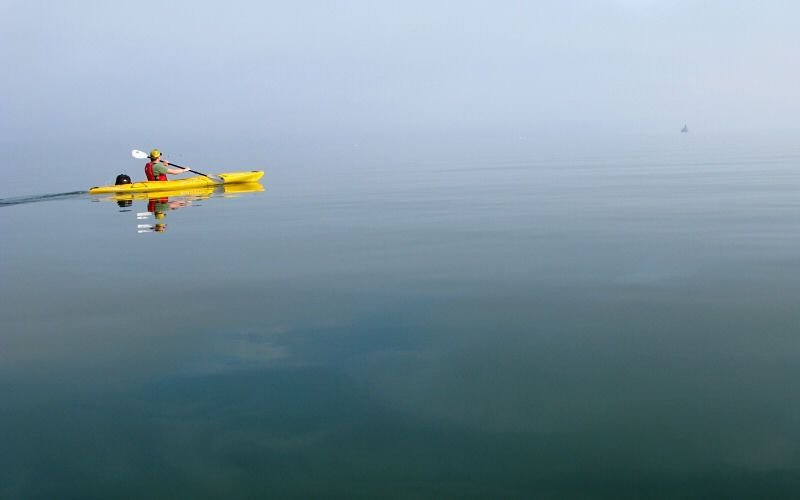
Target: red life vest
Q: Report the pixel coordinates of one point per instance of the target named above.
(148, 171)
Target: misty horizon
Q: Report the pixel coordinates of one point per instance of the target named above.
(94, 70)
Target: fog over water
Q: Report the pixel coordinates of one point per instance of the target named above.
(95, 79)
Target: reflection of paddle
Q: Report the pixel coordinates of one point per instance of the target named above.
(141, 155)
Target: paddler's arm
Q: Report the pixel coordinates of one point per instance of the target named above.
(175, 171)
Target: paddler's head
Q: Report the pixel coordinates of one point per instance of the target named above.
(160, 228)
(155, 154)
(160, 215)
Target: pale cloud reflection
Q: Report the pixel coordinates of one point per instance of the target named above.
(243, 348)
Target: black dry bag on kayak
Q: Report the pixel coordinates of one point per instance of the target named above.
(122, 179)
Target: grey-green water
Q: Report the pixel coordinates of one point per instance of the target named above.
(499, 321)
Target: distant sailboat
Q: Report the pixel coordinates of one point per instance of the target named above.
(685, 128)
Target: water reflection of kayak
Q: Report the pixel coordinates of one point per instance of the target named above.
(196, 193)
(231, 178)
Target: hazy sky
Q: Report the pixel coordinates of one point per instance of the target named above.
(74, 69)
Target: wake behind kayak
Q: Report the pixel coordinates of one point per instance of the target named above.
(20, 200)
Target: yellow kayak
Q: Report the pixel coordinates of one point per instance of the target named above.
(179, 184)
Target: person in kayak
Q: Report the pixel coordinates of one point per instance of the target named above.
(158, 168)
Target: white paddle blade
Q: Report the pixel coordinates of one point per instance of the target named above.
(139, 155)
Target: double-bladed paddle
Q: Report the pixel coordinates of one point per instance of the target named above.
(141, 155)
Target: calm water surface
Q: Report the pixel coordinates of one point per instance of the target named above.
(465, 322)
